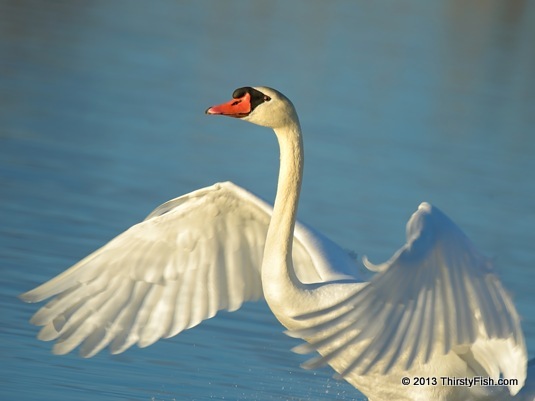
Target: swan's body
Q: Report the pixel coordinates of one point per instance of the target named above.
(434, 310)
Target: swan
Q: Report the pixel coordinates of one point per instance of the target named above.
(435, 310)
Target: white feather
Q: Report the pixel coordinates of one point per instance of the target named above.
(435, 309)
(191, 257)
(437, 295)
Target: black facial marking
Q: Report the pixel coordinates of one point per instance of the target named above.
(240, 92)
(257, 97)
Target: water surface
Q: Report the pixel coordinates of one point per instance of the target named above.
(101, 120)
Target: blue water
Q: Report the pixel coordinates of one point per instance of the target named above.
(101, 120)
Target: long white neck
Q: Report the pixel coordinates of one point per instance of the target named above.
(279, 280)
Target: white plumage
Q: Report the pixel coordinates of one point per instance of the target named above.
(434, 310)
(191, 257)
(436, 298)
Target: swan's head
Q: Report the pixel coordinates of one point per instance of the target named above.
(259, 105)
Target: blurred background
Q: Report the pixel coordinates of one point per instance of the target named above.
(102, 119)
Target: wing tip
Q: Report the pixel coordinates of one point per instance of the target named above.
(425, 207)
(42, 292)
(31, 296)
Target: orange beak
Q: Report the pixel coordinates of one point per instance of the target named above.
(238, 108)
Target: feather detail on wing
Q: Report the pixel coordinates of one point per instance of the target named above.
(437, 294)
(191, 257)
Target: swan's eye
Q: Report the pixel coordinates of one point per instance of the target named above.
(266, 98)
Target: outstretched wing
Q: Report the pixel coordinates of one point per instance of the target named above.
(436, 294)
(191, 257)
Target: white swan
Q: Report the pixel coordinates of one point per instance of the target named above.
(434, 310)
